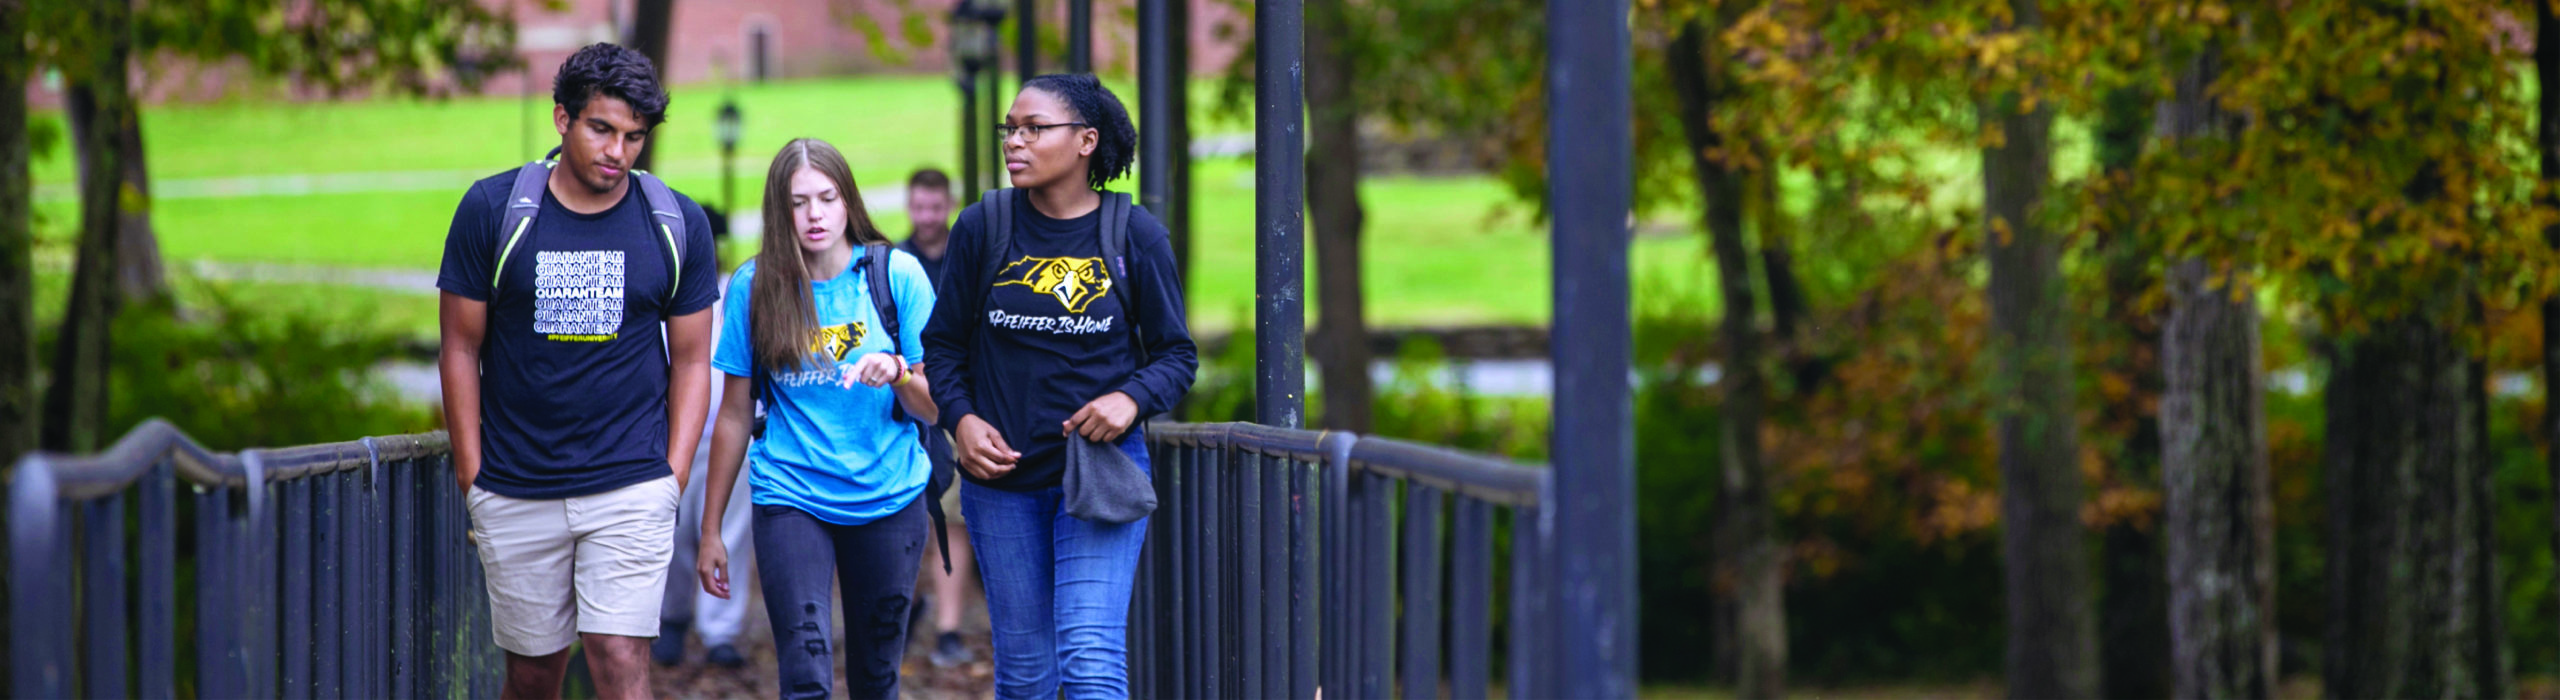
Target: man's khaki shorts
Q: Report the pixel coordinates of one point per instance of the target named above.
(592, 564)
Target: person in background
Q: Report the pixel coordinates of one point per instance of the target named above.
(686, 607)
(929, 200)
(929, 211)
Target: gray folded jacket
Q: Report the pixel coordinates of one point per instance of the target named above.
(1104, 485)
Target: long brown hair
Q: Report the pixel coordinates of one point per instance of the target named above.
(781, 316)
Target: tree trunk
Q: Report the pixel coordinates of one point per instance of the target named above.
(2133, 612)
(17, 243)
(2546, 61)
(139, 274)
(651, 21)
(2221, 512)
(1333, 197)
(2488, 618)
(2052, 638)
(2403, 454)
(2220, 526)
(76, 403)
(1787, 304)
(1749, 562)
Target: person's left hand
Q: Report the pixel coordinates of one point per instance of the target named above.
(874, 369)
(1104, 419)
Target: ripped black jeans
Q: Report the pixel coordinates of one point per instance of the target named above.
(800, 558)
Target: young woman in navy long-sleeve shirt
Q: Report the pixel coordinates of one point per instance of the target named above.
(1043, 350)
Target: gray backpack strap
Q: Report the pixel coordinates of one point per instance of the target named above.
(668, 216)
(523, 201)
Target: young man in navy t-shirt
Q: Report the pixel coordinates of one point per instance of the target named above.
(573, 412)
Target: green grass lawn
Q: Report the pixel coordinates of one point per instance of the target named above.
(1439, 250)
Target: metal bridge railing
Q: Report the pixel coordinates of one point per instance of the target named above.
(325, 570)
(1278, 561)
(1283, 560)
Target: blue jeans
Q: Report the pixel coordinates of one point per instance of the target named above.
(803, 561)
(1057, 589)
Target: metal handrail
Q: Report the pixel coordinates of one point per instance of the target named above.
(1280, 561)
(1451, 470)
(88, 477)
(324, 569)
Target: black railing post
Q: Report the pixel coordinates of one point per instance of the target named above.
(1218, 538)
(1588, 183)
(221, 650)
(1377, 583)
(39, 621)
(1304, 555)
(1470, 598)
(1246, 476)
(102, 596)
(1273, 586)
(1334, 600)
(159, 568)
(1420, 667)
(297, 605)
(259, 553)
(1280, 214)
(1530, 668)
(328, 643)
(403, 583)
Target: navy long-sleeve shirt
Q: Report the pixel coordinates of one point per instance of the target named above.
(1050, 332)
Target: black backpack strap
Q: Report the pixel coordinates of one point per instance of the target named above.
(523, 201)
(667, 215)
(1115, 256)
(997, 242)
(939, 470)
(883, 302)
(759, 384)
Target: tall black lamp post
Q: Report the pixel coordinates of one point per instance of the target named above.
(728, 132)
(972, 42)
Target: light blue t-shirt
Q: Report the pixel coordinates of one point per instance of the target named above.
(830, 451)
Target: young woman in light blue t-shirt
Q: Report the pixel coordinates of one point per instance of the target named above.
(838, 473)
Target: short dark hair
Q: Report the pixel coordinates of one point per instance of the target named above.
(1101, 110)
(614, 71)
(930, 179)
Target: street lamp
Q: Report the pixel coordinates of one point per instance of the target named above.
(728, 131)
(972, 44)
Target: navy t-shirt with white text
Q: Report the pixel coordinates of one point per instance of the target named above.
(573, 366)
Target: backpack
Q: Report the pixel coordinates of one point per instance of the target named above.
(525, 200)
(883, 303)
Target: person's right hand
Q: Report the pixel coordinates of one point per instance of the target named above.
(464, 474)
(711, 562)
(979, 449)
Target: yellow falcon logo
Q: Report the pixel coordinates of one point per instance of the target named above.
(1074, 282)
(837, 341)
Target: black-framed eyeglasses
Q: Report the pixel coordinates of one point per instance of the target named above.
(1030, 132)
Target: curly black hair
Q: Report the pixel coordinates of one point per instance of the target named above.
(1101, 110)
(615, 71)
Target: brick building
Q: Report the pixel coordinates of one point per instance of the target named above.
(747, 40)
